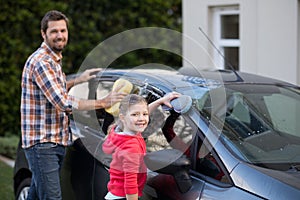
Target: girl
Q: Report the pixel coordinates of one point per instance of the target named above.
(127, 146)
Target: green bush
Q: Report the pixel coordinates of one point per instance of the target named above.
(92, 22)
(8, 146)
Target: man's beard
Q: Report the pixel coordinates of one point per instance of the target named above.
(57, 49)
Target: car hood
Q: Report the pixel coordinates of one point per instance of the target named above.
(290, 177)
(267, 183)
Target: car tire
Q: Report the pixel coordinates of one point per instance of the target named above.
(23, 189)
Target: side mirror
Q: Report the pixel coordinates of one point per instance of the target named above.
(171, 162)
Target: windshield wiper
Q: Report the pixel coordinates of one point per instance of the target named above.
(295, 168)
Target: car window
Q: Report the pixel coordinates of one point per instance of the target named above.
(242, 117)
(166, 131)
(154, 137)
(259, 123)
(104, 118)
(207, 163)
(155, 140)
(87, 118)
(103, 88)
(80, 90)
(284, 118)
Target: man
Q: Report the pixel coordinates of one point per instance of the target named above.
(45, 105)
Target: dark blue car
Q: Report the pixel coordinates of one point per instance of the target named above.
(240, 139)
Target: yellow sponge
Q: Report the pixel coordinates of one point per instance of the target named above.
(126, 88)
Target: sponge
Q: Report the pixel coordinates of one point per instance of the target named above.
(182, 104)
(126, 88)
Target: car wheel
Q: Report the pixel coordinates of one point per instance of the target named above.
(23, 189)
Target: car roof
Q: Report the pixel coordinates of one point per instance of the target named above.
(194, 83)
(175, 79)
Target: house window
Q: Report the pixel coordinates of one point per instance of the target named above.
(226, 35)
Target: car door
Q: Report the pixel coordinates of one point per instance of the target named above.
(209, 178)
(172, 131)
(83, 175)
(208, 169)
(208, 160)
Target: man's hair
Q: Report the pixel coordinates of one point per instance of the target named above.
(52, 15)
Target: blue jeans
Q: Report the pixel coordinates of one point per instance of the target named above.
(45, 161)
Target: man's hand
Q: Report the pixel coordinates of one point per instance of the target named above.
(106, 102)
(87, 75)
(112, 98)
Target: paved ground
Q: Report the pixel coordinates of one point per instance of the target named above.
(7, 161)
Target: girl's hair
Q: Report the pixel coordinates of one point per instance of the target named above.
(52, 15)
(130, 100)
(125, 104)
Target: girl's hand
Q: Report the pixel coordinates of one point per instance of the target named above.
(132, 197)
(166, 100)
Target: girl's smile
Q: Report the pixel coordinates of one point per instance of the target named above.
(136, 119)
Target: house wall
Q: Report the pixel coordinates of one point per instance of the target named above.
(298, 49)
(269, 36)
(277, 39)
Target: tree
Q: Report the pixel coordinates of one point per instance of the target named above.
(91, 22)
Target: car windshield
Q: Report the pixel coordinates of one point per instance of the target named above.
(260, 122)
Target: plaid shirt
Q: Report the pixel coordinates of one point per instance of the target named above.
(44, 99)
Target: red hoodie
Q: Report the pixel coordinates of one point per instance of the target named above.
(128, 172)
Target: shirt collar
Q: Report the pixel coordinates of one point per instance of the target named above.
(55, 56)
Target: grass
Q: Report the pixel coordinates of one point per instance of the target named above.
(8, 146)
(6, 182)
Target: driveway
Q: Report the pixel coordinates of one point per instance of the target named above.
(8, 161)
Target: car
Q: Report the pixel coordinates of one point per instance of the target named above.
(239, 138)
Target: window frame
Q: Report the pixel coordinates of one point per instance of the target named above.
(221, 43)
